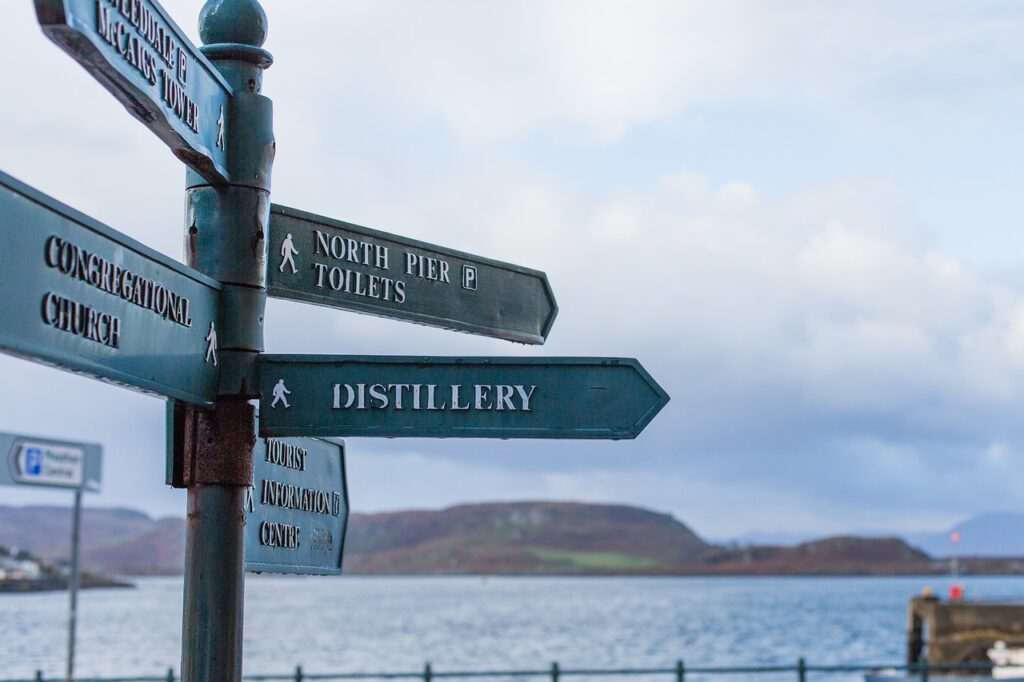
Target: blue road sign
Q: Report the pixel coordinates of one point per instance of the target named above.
(50, 463)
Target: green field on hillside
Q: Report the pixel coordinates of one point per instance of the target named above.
(593, 561)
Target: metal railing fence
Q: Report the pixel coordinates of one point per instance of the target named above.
(555, 673)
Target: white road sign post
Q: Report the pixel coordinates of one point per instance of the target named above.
(48, 463)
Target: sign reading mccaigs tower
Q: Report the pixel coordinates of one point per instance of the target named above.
(148, 63)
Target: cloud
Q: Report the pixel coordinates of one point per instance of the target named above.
(594, 71)
(833, 362)
(824, 357)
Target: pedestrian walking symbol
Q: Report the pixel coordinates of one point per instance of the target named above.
(220, 129)
(280, 391)
(288, 253)
(211, 345)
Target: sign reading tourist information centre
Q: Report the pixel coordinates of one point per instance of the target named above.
(77, 294)
(323, 395)
(141, 56)
(297, 507)
(341, 265)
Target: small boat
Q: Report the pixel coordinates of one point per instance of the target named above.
(891, 675)
(1007, 664)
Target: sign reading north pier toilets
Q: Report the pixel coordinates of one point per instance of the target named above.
(77, 294)
(141, 56)
(333, 263)
(607, 398)
(297, 507)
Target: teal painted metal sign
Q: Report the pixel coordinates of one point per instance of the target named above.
(49, 463)
(297, 508)
(78, 295)
(141, 56)
(332, 263)
(317, 395)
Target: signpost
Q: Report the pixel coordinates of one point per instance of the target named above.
(78, 295)
(56, 464)
(322, 395)
(297, 507)
(141, 56)
(340, 265)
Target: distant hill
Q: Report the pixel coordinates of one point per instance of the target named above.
(761, 538)
(829, 556)
(524, 538)
(121, 541)
(998, 534)
(995, 534)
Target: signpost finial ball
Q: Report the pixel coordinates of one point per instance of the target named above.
(233, 21)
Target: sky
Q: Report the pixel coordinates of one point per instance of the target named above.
(803, 218)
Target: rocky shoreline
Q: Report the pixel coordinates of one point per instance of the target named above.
(60, 583)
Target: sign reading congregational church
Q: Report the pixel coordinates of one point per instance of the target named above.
(77, 294)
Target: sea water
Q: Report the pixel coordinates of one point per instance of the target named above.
(357, 624)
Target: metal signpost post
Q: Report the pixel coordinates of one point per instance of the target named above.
(85, 298)
(206, 105)
(52, 463)
(226, 228)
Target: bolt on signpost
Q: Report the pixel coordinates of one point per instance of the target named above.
(49, 463)
(83, 297)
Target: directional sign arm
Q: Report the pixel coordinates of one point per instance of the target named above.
(298, 507)
(148, 63)
(81, 296)
(329, 262)
(385, 396)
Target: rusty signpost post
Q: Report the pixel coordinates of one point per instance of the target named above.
(86, 298)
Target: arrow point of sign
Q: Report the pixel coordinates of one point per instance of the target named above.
(661, 398)
(550, 296)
